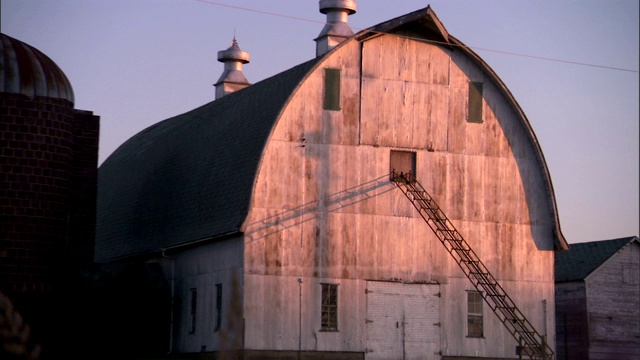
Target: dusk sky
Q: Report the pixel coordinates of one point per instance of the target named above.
(571, 65)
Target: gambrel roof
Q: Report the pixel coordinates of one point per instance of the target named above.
(190, 178)
(584, 258)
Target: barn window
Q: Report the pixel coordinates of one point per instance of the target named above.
(403, 162)
(329, 311)
(193, 295)
(218, 307)
(332, 89)
(475, 102)
(474, 314)
(630, 275)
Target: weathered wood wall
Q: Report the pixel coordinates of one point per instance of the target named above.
(201, 269)
(323, 207)
(572, 334)
(613, 300)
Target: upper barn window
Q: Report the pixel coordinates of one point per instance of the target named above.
(403, 162)
(332, 89)
(475, 102)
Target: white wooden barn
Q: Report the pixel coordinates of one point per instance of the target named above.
(272, 212)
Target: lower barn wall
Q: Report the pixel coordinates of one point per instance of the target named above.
(269, 355)
(302, 355)
(497, 342)
(472, 358)
(572, 335)
(613, 300)
(283, 313)
(201, 269)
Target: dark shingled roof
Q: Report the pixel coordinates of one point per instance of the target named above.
(189, 177)
(583, 258)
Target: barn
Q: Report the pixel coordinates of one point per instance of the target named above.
(598, 300)
(386, 199)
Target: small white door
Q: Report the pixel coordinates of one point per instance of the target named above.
(403, 321)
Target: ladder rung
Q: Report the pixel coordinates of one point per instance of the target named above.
(457, 240)
(478, 273)
(498, 295)
(454, 235)
(466, 251)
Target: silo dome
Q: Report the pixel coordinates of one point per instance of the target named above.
(26, 70)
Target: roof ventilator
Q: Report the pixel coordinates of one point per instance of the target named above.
(232, 78)
(337, 29)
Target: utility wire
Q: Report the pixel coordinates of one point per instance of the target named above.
(554, 59)
(260, 11)
(263, 12)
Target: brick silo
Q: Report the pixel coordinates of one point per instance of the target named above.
(48, 169)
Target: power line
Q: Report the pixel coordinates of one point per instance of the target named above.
(263, 12)
(554, 59)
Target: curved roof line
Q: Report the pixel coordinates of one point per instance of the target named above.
(162, 176)
(428, 19)
(26, 70)
(148, 177)
(561, 242)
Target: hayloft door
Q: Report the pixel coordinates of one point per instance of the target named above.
(403, 321)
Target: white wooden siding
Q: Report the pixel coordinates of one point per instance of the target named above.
(323, 206)
(202, 268)
(283, 313)
(403, 321)
(613, 305)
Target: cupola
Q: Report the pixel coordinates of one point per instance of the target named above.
(232, 78)
(337, 28)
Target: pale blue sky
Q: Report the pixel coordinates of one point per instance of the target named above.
(137, 62)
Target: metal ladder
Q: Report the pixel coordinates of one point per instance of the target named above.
(531, 343)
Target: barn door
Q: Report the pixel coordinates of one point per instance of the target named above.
(403, 321)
